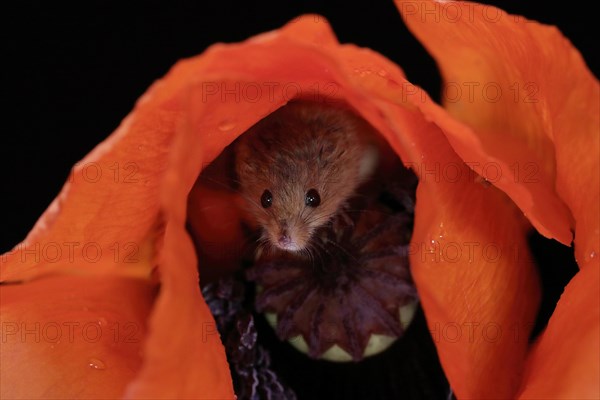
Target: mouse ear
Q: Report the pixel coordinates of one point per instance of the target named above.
(243, 157)
(368, 162)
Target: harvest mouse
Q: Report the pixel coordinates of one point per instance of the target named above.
(298, 167)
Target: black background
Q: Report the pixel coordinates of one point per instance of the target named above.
(71, 73)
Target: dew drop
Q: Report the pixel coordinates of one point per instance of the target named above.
(593, 255)
(226, 125)
(382, 72)
(96, 363)
(362, 71)
(102, 321)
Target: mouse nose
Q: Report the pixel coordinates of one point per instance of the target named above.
(284, 239)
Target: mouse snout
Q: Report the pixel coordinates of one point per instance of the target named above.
(286, 240)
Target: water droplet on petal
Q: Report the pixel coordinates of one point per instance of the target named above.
(96, 363)
(382, 72)
(593, 254)
(102, 321)
(226, 125)
(442, 232)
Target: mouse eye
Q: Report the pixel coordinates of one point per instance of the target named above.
(312, 198)
(266, 199)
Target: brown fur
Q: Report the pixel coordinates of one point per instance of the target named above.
(299, 147)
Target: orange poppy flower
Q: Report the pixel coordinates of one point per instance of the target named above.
(105, 302)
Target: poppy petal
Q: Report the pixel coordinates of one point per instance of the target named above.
(564, 363)
(184, 357)
(505, 77)
(551, 115)
(477, 282)
(72, 337)
(121, 217)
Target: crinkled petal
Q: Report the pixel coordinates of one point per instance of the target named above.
(565, 363)
(477, 282)
(184, 357)
(72, 337)
(532, 106)
(115, 205)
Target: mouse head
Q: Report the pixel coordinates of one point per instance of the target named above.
(298, 167)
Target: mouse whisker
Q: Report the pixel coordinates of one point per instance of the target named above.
(309, 254)
(264, 238)
(343, 249)
(318, 218)
(262, 241)
(301, 216)
(318, 244)
(265, 246)
(255, 203)
(314, 248)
